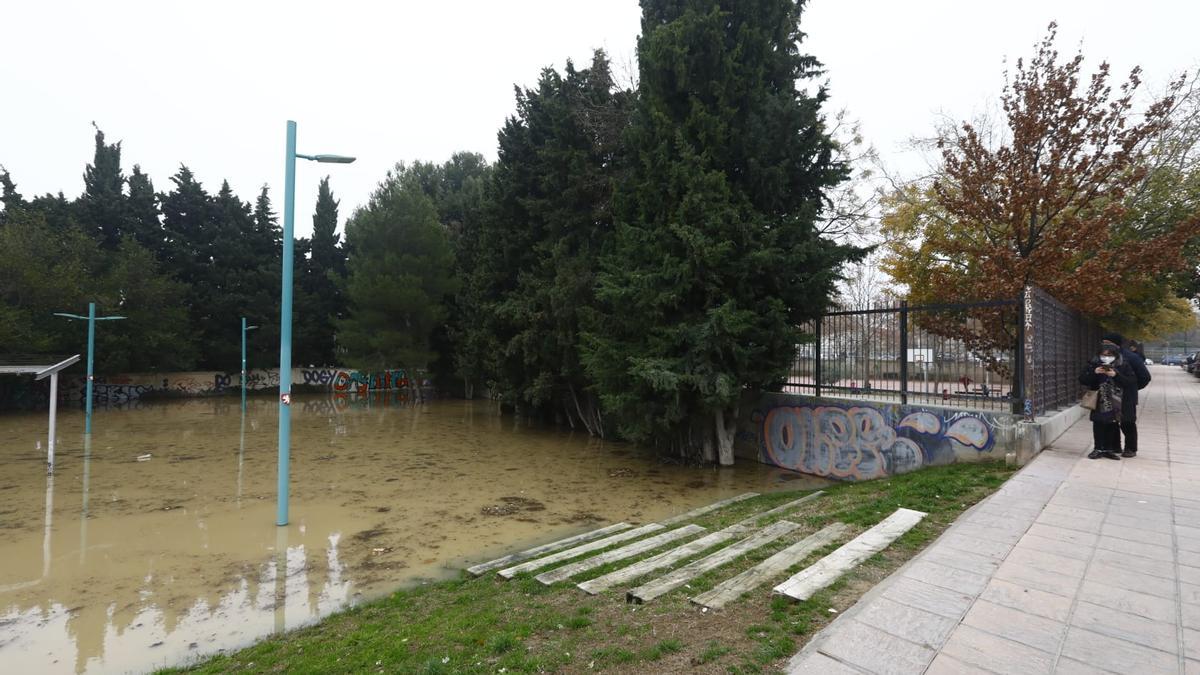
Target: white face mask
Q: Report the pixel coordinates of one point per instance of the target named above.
(1107, 359)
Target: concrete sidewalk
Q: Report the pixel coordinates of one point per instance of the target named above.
(1074, 566)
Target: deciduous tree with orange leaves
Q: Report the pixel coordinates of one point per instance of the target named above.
(1049, 197)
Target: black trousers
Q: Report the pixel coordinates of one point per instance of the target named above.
(1129, 430)
(1107, 436)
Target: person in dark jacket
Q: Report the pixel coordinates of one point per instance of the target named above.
(1113, 379)
(1142, 374)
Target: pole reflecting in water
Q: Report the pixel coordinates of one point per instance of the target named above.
(83, 512)
(241, 450)
(281, 545)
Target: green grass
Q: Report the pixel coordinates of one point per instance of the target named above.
(484, 625)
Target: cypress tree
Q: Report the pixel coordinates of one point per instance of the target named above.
(550, 219)
(9, 197)
(142, 220)
(716, 260)
(319, 302)
(102, 206)
(190, 226)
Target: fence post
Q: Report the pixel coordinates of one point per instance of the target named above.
(817, 358)
(1028, 340)
(1018, 367)
(903, 352)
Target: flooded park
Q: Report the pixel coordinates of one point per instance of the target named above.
(154, 543)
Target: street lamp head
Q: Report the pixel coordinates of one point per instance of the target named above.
(333, 159)
(251, 327)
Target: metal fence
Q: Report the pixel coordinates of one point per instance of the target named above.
(1056, 343)
(1018, 355)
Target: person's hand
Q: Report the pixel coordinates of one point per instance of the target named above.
(1101, 370)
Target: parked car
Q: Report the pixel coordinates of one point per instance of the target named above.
(1173, 360)
(1149, 362)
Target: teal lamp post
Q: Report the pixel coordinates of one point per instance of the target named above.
(285, 314)
(243, 382)
(91, 318)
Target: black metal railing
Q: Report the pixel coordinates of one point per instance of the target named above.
(1020, 355)
(1056, 343)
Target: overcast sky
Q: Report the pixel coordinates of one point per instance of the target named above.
(211, 84)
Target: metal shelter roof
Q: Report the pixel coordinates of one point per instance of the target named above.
(38, 365)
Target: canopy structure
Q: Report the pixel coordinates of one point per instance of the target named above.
(41, 367)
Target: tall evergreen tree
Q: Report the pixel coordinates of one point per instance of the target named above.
(400, 271)
(551, 217)
(142, 220)
(9, 197)
(319, 303)
(102, 206)
(462, 347)
(190, 226)
(265, 241)
(52, 268)
(716, 260)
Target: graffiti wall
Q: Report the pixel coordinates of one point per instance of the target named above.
(120, 389)
(853, 440)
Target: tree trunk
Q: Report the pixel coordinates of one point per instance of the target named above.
(710, 454)
(726, 429)
(582, 417)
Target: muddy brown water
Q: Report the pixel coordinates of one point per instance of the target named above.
(117, 565)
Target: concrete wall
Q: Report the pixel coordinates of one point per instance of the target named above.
(860, 440)
(131, 387)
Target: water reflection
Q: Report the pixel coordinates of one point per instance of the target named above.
(127, 564)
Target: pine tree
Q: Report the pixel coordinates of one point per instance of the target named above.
(716, 260)
(400, 270)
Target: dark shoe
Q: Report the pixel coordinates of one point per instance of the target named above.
(1129, 453)
(1095, 454)
(1111, 455)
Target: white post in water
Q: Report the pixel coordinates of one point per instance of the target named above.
(53, 420)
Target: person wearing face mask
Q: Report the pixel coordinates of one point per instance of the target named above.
(1141, 373)
(1113, 379)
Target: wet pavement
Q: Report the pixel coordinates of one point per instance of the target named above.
(118, 564)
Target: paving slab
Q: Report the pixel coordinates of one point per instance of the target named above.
(546, 561)
(851, 554)
(676, 578)
(649, 544)
(546, 548)
(1073, 566)
(733, 588)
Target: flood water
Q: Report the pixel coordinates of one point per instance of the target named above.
(116, 564)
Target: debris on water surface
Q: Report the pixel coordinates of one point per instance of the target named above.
(512, 505)
(367, 535)
(623, 472)
(144, 458)
(582, 517)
